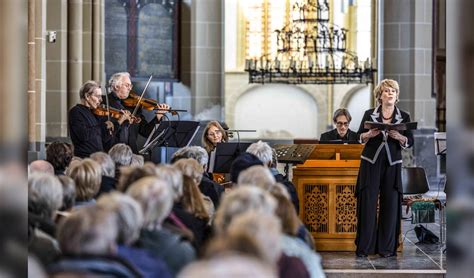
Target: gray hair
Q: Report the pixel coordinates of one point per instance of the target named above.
(88, 88)
(137, 160)
(129, 215)
(45, 194)
(155, 199)
(261, 150)
(240, 200)
(106, 163)
(89, 230)
(257, 175)
(195, 152)
(69, 192)
(173, 178)
(116, 79)
(121, 154)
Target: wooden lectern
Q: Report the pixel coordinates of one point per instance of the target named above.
(326, 184)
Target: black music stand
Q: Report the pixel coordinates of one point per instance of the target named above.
(176, 134)
(223, 156)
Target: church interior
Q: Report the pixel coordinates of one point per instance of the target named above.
(236, 138)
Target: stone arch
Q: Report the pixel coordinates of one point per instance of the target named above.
(276, 111)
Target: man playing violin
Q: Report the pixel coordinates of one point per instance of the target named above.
(88, 134)
(120, 86)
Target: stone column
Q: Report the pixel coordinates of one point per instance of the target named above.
(31, 76)
(75, 52)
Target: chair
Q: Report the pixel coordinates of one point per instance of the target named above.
(414, 181)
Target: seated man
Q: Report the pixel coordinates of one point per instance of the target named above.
(342, 118)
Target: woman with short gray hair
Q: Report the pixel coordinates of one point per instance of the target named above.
(107, 165)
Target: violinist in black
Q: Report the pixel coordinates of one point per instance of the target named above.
(379, 180)
(86, 131)
(342, 119)
(120, 86)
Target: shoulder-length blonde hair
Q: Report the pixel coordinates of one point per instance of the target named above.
(206, 143)
(386, 83)
(87, 175)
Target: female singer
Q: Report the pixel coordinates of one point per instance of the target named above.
(380, 173)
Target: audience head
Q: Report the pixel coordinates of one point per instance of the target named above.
(137, 160)
(173, 178)
(41, 166)
(59, 155)
(195, 152)
(231, 265)
(69, 192)
(88, 231)
(129, 215)
(155, 199)
(264, 227)
(263, 151)
(190, 168)
(285, 210)
(121, 154)
(242, 162)
(132, 173)
(257, 175)
(45, 194)
(106, 163)
(213, 134)
(240, 200)
(274, 159)
(87, 175)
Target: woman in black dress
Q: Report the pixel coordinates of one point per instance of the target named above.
(380, 175)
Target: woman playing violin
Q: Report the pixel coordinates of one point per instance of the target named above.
(120, 86)
(87, 133)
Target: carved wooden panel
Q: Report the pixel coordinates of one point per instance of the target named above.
(316, 207)
(346, 205)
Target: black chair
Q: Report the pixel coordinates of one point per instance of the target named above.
(414, 181)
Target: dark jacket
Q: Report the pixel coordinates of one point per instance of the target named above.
(106, 185)
(128, 134)
(148, 264)
(211, 189)
(334, 135)
(374, 145)
(108, 266)
(86, 132)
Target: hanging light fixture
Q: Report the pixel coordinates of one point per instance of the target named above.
(310, 50)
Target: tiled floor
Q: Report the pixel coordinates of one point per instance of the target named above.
(415, 258)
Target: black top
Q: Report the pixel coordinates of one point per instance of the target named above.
(374, 145)
(86, 131)
(334, 135)
(128, 134)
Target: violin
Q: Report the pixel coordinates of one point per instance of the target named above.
(146, 103)
(113, 113)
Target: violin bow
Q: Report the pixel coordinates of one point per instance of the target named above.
(141, 96)
(107, 103)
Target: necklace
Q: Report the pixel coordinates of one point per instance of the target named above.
(389, 118)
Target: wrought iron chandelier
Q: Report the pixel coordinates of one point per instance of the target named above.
(310, 50)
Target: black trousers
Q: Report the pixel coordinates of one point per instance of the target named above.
(378, 234)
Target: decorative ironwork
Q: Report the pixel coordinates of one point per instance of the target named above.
(316, 207)
(346, 218)
(310, 50)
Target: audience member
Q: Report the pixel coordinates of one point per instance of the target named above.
(59, 155)
(108, 182)
(87, 175)
(41, 166)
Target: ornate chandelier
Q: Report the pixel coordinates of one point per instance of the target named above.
(310, 50)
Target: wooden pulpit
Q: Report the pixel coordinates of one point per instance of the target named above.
(326, 185)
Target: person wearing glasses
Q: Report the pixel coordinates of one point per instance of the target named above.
(86, 131)
(342, 118)
(120, 86)
(379, 188)
(213, 133)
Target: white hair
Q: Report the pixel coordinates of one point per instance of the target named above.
(261, 150)
(121, 154)
(116, 79)
(45, 192)
(196, 152)
(258, 175)
(106, 163)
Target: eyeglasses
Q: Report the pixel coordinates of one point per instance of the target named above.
(215, 133)
(340, 124)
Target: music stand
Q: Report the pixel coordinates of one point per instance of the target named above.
(225, 153)
(175, 134)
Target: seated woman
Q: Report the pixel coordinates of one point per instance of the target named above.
(213, 134)
(342, 118)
